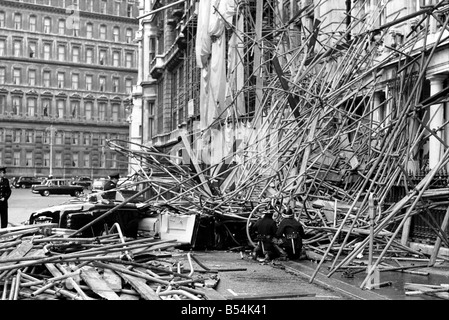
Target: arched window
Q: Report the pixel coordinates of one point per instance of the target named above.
(116, 34)
(47, 25)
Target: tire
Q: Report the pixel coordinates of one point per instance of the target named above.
(76, 194)
(23, 186)
(46, 193)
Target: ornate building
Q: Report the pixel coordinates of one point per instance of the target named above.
(66, 71)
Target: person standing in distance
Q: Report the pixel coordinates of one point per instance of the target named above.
(5, 193)
(109, 185)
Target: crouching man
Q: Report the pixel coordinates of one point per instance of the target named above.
(265, 230)
(291, 232)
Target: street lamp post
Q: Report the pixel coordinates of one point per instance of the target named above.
(52, 131)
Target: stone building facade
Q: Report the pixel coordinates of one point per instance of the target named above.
(67, 69)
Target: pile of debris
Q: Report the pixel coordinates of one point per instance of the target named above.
(43, 262)
(319, 138)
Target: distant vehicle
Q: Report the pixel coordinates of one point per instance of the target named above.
(85, 182)
(58, 186)
(98, 184)
(26, 182)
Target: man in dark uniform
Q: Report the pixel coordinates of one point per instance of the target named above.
(5, 193)
(109, 185)
(265, 230)
(291, 232)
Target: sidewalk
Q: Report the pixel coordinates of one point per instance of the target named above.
(243, 278)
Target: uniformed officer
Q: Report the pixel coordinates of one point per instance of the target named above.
(291, 232)
(265, 230)
(109, 185)
(5, 193)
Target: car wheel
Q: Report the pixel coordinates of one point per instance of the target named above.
(76, 194)
(46, 193)
(23, 186)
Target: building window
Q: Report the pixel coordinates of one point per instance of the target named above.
(32, 77)
(58, 138)
(46, 108)
(102, 83)
(114, 161)
(47, 159)
(75, 81)
(115, 84)
(60, 109)
(16, 160)
(103, 6)
(89, 55)
(17, 76)
(75, 54)
(33, 23)
(16, 105)
(86, 139)
(31, 107)
(102, 111)
(29, 136)
(58, 159)
(29, 159)
(103, 32)
(17, 21)
(116, 59)
(88, 110)
(75, 138)
(152, 50)
(116, 34)
(102, 57)
(32, 49)
(115, 108)
(75, 160)
(46, 79)
(129, 35)
(117, 8)
(129, 60)
(47, 51)
(47, 25)
(2, 19)
(17, 48)
(2, 75)
(61, 27)
(86, 160)
(17, 135)
(74, 109)
(102, 160)
(61, 80)
(2, 47)
(90, 5)
(89, 82)
(102, 139)
(128, 86)
(89, 31)
(61, 53)
(129, 11)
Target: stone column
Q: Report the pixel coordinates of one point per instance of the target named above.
(436, 121)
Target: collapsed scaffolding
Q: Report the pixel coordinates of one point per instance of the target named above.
(305, 131)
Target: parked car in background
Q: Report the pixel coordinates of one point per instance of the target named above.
(58, 186)
(98, 184)
(85, 182)
(26, 182)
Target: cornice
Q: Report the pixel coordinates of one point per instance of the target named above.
(62, 11)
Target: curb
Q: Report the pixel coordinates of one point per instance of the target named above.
(335, 285)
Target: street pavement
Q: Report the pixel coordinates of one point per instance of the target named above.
(286, 280)
(23, 202)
